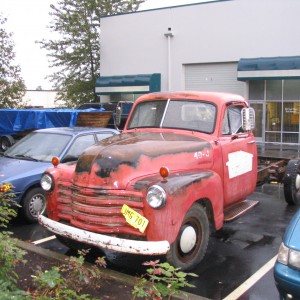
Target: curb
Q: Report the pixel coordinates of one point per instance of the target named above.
(107, 273)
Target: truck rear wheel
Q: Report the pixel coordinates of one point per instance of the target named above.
(191, 243)
(291, 182)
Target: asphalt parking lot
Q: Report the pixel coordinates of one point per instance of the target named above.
(240, 257)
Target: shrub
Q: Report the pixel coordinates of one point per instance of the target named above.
(10, 254)
(161, 280)
(8, 205)
(68, 280)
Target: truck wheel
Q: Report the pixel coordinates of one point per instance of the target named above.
(191, 243)
(34, 204)
(6, 142)
(291, 182)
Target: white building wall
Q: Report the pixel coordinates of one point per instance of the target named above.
(222, 31)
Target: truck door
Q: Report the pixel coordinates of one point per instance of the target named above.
(239, 155)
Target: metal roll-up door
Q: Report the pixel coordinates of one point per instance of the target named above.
(219, 77)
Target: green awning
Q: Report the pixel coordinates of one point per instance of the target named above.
(269, 68)
(128, 84)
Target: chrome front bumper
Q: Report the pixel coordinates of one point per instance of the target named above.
(105, 241)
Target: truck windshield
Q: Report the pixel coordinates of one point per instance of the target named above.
(179, 114)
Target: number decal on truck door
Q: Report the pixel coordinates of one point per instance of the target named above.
(202, 154)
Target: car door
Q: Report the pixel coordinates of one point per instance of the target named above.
(78, 146)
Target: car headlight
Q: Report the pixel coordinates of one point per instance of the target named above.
(283, 254)
(289, 256)
(294, 258)
(156, 196)
(47, 182)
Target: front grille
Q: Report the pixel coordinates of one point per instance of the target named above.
(98, 210)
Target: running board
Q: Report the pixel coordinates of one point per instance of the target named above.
(237, 209)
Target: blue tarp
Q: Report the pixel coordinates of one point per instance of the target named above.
(13, 121)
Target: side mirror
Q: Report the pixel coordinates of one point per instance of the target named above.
(248, 118)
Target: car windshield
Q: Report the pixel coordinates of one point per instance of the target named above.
(39, 146)
(179, 114)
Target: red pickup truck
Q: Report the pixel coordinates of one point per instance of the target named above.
(184, 163)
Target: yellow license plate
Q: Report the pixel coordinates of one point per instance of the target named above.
(134, 218)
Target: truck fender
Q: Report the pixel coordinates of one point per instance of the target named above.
(183, 190)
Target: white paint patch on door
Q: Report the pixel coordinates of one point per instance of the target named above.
(239, 163)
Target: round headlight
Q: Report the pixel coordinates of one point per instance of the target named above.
(47, 182)
(156, 196)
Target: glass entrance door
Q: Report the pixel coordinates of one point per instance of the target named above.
(273, 122)
(290, 130)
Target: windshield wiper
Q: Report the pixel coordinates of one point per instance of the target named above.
(25, 157)
(5, 155)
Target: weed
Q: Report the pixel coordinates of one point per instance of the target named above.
(161, 280)
(68, 280)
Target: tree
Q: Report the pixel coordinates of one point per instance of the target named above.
(75, 53)
(12, 86)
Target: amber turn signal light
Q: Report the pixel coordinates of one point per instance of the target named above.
(164, 172)
(55, 161)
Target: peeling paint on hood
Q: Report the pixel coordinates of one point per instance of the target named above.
(112, 163)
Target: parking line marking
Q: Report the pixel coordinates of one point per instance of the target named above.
(49, 238)
(251, 280)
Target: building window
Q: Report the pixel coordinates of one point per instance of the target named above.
(278, 103)
(257, 89)
(273, 89)
(273, 116)
(291, 90)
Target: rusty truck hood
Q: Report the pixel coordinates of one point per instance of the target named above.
(114, 162)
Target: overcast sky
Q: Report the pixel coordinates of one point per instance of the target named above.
(28, 20)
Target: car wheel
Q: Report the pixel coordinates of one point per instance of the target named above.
(6, 142)
(34, 204)
(191, 243)
(291, 182)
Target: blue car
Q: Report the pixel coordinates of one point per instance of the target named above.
(23, 164)
(287, 266)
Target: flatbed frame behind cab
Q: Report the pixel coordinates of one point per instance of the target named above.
(273, 160)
